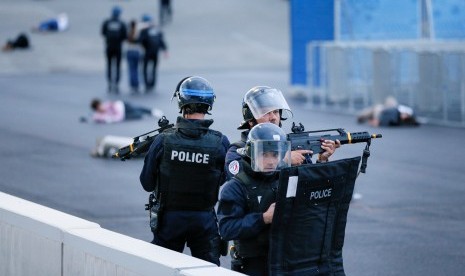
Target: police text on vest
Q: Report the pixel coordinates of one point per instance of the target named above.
(194, 157)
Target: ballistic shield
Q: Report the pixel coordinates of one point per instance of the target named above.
(308, 228)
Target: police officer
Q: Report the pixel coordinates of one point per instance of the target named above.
(153, 42)
(265, 104)
(246, 205)
(186, 165)
(114, 31)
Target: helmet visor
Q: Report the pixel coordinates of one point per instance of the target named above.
(269, 155)
(266, 100)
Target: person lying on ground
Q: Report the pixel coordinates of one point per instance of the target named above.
(119, 111)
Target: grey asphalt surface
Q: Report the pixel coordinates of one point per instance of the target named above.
(410, 220)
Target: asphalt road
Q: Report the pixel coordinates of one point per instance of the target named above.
(409, 221)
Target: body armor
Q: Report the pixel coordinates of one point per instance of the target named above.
(260, 195)
(190, 171)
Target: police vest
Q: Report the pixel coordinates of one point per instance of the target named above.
(114, 32)
(154, 41)
(260, 195)
(190, 171)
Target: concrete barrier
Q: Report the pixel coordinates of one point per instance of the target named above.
(36, 240)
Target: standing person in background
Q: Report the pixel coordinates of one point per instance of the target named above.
(114, 31)
(166, 12)
(133, 54)
(152, 40)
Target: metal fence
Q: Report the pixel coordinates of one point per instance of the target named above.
(429, 76)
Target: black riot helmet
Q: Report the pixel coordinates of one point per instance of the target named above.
(260, 100)
(265, 141)
(194, 94)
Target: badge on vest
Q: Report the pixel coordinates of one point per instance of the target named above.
(234, 167)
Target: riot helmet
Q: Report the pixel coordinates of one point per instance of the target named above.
(146, 18)
(268, 148)
(116, 12)
(261, 100)
(196, 93)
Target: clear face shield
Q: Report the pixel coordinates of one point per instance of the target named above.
(265, 100)
(269, 155)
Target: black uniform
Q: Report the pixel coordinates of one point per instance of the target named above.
(186, 164)
(166, 12)
(232, 165)
(243, 200)
(114, 31)
(152, 40)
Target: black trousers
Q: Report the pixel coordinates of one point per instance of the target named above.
(150, 72)
(113, 65)
(197, 229)
(256, 266)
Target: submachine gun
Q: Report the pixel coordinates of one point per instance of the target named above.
(301, 139)
(141, 143)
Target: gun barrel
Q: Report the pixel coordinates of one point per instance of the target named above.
(358, 137)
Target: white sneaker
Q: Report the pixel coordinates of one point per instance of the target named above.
(157, 113)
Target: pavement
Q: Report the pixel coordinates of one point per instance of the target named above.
(408, 221)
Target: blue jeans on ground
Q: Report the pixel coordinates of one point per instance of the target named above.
(49, 25)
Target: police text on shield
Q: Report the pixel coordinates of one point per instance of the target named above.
(320, 194)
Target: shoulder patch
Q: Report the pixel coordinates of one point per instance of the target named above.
(234, 167)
